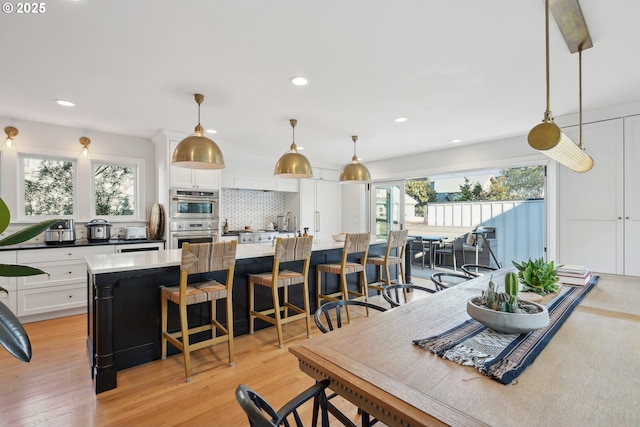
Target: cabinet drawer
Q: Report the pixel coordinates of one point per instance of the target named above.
(45, 300)
(9, 300)
(61, 254)
(59, 274)
(7, 257)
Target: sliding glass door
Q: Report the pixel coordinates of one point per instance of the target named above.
(386, 207)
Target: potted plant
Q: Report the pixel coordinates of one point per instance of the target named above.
(13, 337)
(504, 311)
(538, 276)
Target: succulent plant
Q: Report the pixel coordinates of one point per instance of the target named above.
(502, 301)
(538, 276)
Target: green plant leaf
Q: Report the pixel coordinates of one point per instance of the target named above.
(27, 233)
(12, 270)
(5, 216)
(13, 337)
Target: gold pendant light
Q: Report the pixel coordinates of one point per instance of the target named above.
(355, 172)
(197, 151)
(293, 164)
(547, 136)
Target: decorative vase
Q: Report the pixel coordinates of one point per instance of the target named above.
(509, 323)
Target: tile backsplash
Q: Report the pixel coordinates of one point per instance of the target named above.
(253, 208)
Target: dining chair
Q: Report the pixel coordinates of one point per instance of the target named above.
(447, 280)
(324, 319)
(288, 251)
(392, 293)
(261, 414)
(326, 313)
(448, 248)
(475, 270)
(354, 244)
(393, 256)
(200, 258)
(418, 249)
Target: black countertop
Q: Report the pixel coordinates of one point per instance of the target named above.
(77, 243)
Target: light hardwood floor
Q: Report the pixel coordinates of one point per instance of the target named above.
(55, 388)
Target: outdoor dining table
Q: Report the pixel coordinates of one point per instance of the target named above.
(432, 240)
(587, 374)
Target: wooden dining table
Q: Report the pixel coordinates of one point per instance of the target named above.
(587, 375)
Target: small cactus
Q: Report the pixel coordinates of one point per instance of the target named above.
(502, 301)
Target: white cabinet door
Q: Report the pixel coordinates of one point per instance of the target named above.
(8, 283)
(329, 204)
(320, 207)
(632, 196)
(591, 204)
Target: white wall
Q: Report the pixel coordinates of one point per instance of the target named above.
(50, 139)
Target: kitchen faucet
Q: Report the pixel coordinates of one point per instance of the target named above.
(295, 221)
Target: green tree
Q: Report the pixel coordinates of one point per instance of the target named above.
(112, 189)
(471, 193)
(49, 188)
(498, 190)
(525, 183)
(421, 191)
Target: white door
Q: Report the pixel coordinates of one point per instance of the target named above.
(632, 196)
(591, 204)
(386, 208)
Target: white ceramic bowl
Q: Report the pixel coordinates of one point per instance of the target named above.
(509, 323)
(338, 237)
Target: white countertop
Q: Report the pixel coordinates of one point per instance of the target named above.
(111, 263)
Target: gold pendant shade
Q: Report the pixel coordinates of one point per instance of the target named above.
(293, 164)
(355, 172)
(197, 151)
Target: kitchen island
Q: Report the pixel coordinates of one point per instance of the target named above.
(124, 301)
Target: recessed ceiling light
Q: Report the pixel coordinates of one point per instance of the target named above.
(211, 131)
(456, 140)
(65, 103)
(400, 119)
(299, 81)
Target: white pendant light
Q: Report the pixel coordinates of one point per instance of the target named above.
(197, 151)
(293, 164)
(547, 136)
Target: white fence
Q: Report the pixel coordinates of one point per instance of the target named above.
(519, 225)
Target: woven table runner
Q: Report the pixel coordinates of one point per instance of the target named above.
(500, 356)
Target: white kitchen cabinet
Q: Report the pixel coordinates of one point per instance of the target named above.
(320, 207)
(599, 211)
(192, 178)
(267, 184)
(64, 290)
(8, 283)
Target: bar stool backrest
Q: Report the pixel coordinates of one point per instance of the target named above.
(397, 239)
(206, 257)
(293, 248)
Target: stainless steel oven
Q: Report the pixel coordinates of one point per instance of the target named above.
(195, 231)
(190, 204)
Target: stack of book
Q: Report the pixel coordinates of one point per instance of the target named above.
(577, 275)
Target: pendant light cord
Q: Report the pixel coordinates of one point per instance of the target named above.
(547, 114)
(580, 92)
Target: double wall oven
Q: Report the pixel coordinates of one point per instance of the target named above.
(194, 217)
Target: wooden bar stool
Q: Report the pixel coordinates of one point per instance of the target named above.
(287, 250)
(200, 258)
(396, 243)
(354, 243)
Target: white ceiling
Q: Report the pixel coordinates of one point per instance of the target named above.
(464, 69)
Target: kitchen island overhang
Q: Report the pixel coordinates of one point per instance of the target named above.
(124, 301)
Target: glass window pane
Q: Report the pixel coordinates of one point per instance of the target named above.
(48, 186)
(114, 189)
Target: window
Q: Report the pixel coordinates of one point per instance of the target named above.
(48, 186)
(115, 189)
